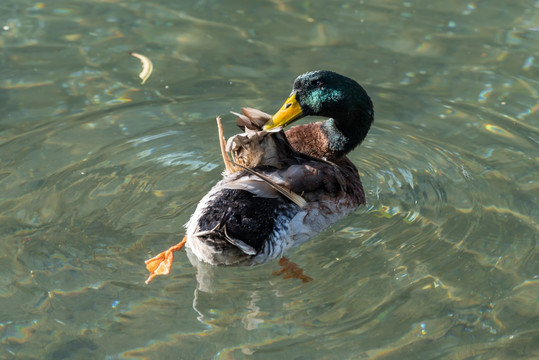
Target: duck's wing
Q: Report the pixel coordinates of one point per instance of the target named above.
(251, 119)
(283, 190)
(300, 183)
(316, 179)
(312, 179)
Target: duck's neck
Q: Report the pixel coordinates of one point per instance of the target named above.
(328, 140)
(341, 136)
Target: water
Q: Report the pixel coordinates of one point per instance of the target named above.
(99, 172)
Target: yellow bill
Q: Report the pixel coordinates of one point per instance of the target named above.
(290, 111)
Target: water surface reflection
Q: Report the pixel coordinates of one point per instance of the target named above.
(99, 173)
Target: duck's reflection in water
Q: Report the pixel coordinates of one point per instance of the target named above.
(212, 301)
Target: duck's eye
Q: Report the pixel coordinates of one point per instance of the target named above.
(319, 84)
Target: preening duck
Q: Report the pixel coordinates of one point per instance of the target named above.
(281, 188)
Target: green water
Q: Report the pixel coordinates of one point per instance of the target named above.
(99, 173)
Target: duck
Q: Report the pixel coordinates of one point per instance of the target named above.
(280, 188)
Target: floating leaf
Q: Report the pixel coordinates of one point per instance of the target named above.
(147, 66)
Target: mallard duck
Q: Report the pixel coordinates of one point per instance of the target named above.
(281, 188)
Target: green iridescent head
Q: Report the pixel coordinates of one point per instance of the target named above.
(326, 93)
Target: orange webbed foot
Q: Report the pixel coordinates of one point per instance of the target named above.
(291, 271)
(162, 263)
